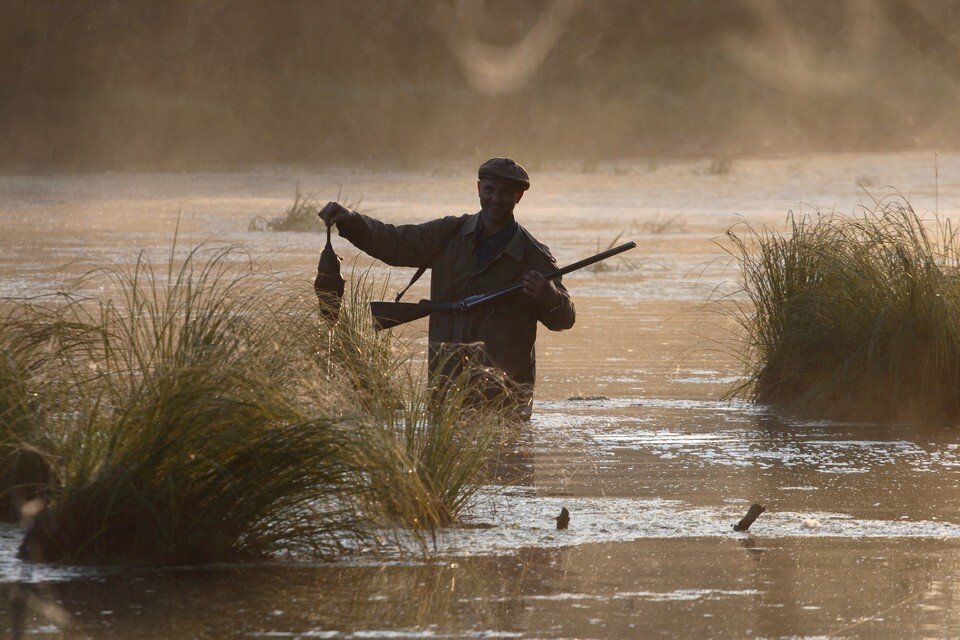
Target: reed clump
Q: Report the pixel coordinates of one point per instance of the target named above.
(604, 266)
(424, 469)
(203, 411)
(24, 473)
(301, 215)
(422, 450)
(853, 317)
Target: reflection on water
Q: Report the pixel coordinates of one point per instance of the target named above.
(653, 488)
(654, 469)
(717, 587)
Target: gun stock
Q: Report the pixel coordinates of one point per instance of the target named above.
(387, 315)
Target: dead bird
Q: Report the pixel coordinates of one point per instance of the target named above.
(752, 514)
(563, 520)
(329, 283)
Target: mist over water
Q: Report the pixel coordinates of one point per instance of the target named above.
(89, 85)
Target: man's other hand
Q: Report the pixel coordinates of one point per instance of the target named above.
(335, 213)
(540, 289)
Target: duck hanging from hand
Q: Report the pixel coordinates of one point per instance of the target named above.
(329, 283)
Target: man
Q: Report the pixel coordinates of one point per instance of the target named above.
(472, 254)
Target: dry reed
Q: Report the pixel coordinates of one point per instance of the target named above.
(203, 411)
(852, 316)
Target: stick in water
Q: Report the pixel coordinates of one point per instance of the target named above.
(752, 514)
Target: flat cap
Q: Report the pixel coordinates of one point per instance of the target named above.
(505, 170)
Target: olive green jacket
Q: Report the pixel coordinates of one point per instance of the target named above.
(507, 328)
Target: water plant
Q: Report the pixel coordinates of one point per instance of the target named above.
(852, 316)
(721, 166)
(422, 451)
(205, 411)
(185, 437)
(426, 452)
(301, 215)
(23, 470)
(661, 224)
(368, 363)
(604, 266)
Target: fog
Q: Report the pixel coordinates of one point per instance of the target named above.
(178, 85)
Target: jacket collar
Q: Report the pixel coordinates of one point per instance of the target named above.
(470, 226)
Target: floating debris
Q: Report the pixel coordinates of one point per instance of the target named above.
(811, 523)
(752, 514)
(563, 520)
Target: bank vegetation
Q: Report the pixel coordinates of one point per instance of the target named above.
(199, 410)
(852, 316)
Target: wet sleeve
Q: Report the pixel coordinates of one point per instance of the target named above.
(563, 315)
(405, 245)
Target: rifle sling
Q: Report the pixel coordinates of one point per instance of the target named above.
(415, 277)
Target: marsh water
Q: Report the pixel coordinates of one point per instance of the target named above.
(630, 431)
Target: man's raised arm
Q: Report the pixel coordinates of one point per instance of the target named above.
(405, 245)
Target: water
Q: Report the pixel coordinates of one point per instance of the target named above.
(862, 533)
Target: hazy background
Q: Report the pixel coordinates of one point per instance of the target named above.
(167, 84)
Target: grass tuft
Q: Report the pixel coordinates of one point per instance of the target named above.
(605, 266)
(203, 412)
(301, 215)
(852, 316)
(426, 454)
(721, 166)
(24, 472)
(662, 224)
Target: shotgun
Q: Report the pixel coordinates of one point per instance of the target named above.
(391, 314)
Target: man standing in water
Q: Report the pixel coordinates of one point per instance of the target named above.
(474, 254)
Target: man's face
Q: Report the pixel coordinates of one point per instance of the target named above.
(497, 199)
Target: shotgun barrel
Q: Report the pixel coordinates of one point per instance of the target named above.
(392, 314)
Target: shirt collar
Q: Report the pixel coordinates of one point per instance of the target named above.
(514, 248)
(506, 232)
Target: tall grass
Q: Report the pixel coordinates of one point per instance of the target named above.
(184, 435)
(365, 365)
(23, 470)
(206, 412)
(422, 452)
(604, 266)
(301, 215)
(853, 316)
(428, 464)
